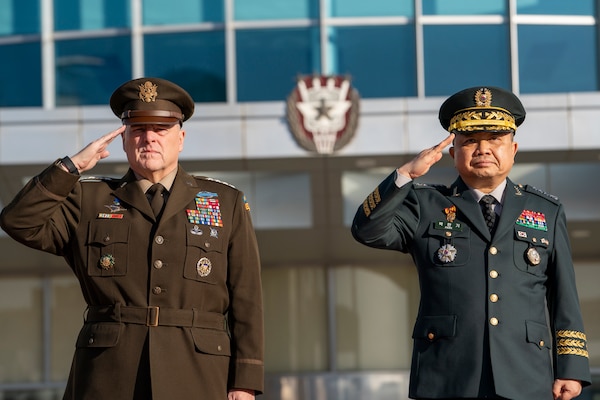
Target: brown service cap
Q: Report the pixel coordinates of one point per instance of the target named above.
(482, 108)
(151, 101)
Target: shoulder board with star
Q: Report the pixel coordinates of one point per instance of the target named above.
(206, 178)
(541, 193)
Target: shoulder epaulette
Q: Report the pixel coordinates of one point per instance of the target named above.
(540, 192)
(89, 178)
(421, 185)
(436, 186)
(206, 178)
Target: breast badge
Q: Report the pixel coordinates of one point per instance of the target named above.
(533, 256)
(446, 253)
(196, 230)
(533, 219)
(203, 267)
(107, 262)
(450, 213)
(208, 210)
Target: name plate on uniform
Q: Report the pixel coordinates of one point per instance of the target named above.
(448, 226)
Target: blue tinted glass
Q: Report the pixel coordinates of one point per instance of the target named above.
(557, 59)
(19, 17)
(88, 70)
(245, 10)
(160, 12)
(379, 59)
(200, 64)
(21, 82)
(361, 8)
(90, 15)
(556, 7)
(467, 55)
(464, 7)
(268, 61)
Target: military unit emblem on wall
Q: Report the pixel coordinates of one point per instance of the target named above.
(322, 113)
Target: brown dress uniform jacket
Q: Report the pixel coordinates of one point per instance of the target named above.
(174, 308)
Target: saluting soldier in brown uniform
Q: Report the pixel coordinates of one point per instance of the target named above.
(499, 315)
(173, 284)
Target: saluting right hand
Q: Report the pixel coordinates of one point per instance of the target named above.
(421, 164)
(87, 158)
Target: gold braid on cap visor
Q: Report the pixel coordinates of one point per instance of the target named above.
(483, 119)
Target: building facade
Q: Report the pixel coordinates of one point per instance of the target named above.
(339, 316)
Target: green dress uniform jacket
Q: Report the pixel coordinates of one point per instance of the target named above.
(175, 306)
(482, 316)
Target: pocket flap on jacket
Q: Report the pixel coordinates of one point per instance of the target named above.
(538, 334)
(99, 334)
(211, 341)
(434, 327)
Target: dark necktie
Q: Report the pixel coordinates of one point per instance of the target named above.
(156, 198)
(487, 207)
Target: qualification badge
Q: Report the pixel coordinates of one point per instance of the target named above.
(533, 256)
(446, 253)
(203, 267)
(450, 213)
(107, 262)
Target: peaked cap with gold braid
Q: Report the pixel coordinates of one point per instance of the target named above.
(482, 109)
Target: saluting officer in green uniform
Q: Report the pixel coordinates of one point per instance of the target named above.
(499, 315)
(167, 262)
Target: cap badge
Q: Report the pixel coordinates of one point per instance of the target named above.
(483, 97)
(107, 262)
(446, 253)
(203, 267)
(148, 92)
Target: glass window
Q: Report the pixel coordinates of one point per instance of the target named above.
(467, 55)
(19, 17)
(557, 58)
(570, 183)
(275, 9)
(357, 185)
(21, 333)
(200, 65)
(361, 8)
(295, 319)
(379, 59)
(268, 61)
(464, 7)
(368, 340)
(90, 14)
(88, 70)
(160, 12)
(588, 275)
(26, 91)
(277, 199)
(66, 316)
(556, 7)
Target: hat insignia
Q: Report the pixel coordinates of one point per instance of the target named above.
(483, 97)
(148, 92)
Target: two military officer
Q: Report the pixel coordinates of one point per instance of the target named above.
(499, 315)
(172, 284)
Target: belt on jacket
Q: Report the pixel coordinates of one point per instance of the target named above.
(156, 316)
